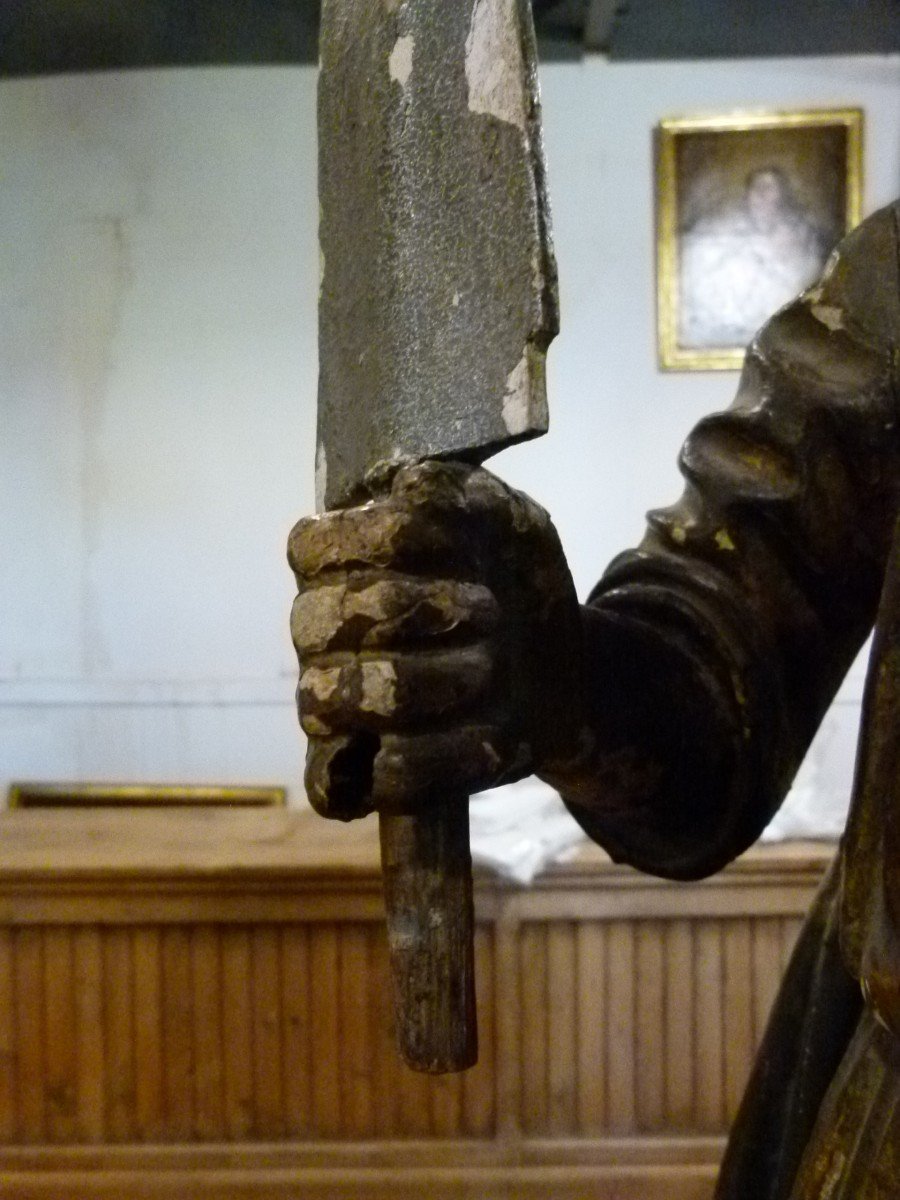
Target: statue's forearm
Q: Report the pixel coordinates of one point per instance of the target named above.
(715, 648)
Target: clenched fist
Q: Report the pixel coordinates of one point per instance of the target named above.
(439, 639)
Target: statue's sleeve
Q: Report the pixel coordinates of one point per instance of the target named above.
(714, 649)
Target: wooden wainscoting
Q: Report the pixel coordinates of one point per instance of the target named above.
(195, 1003)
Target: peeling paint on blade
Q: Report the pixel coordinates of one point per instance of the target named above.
(494, 64)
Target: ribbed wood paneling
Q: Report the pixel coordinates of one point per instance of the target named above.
(643, 1027)
(203, 998)
(213, 1033)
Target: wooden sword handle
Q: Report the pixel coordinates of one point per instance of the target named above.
(427, 869)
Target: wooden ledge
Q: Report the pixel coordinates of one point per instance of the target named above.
(582, 1169)
(238, 844)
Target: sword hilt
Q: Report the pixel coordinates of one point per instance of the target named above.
(427, 869)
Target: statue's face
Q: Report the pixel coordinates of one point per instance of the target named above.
(765, 200)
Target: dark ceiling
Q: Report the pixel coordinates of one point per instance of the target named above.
(752, 28)
(43, 36)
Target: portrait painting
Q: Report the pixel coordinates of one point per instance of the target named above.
(749, 208)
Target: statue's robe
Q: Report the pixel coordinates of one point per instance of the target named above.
(713, 651)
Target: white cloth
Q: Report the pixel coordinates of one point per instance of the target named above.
(519, 829)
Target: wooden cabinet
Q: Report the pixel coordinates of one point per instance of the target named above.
(195, 1003)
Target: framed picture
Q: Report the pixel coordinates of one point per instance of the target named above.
(749, 207)
(140, 795)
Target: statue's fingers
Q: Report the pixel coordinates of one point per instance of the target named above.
(455, 488)
(393, 691)
(348, 775)
(412, 771)
(433, 483)
(380, 535)
(389, 612)
(485, 513)
(338, 775)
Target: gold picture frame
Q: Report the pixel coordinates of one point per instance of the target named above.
(748, 205)
(140, 795)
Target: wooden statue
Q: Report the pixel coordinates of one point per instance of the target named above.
(674, 707)
(436, 306)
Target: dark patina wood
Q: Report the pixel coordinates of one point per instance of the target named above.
(437, 304)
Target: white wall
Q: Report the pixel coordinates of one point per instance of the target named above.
(157, 371)
(158, 271)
